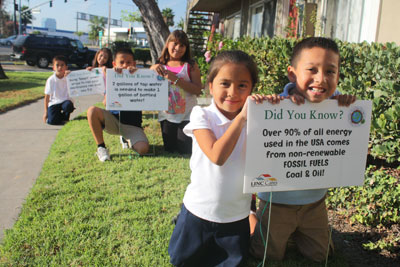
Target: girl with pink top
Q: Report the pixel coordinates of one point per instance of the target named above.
(176, 65)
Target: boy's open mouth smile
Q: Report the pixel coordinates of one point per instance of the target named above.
(317, 90)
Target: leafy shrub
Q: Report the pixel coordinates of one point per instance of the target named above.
(121, 44)
(377, 203)
(142, 54)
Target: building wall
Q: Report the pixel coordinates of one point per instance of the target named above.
(281, 19)
(389, 22)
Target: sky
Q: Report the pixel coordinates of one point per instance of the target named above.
(65, 13)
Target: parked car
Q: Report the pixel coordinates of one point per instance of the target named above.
(8, 41)
(38, 49)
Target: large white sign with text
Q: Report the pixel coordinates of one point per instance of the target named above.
(85, 82)
(141, 90)
(310, 146)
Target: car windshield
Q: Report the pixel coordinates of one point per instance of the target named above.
(20, 40)
(77, 44)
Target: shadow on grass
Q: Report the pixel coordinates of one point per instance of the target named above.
(20, 104)
(80, 117)
(158, 152)
(17, 85)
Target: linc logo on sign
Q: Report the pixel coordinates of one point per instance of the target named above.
(264, 180)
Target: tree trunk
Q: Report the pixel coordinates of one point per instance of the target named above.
(156, 29)
(2, 73)
(153, 52)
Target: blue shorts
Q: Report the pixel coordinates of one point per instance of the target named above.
(197, 242)
(58, 113)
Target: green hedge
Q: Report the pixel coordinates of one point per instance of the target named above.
(140, 54)
(380, 204)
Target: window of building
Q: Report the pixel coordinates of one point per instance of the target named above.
(256, 17)
(232, 26)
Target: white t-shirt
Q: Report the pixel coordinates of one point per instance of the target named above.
(215, 193)
(57, 90)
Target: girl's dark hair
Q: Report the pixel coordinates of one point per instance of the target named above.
(109, 60)
(236, 57)
(312, 42)
(178, 36)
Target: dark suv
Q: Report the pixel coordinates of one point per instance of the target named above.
(40, 49)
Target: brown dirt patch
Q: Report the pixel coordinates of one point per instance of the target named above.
(349, 237)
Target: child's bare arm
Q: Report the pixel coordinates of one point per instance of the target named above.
(46, 105)
(159, 68)
(345, 100)
(219, 150)
(195, 85)
(104, 100)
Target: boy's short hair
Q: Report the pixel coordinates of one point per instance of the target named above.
(311, 42)
(124, 50)
(60, 58)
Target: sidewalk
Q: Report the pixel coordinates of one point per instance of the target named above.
(24, 144)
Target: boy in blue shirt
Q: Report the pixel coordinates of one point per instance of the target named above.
(301, 215)
(127, 124)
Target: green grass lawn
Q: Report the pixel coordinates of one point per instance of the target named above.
(82, 212)
(21, 88)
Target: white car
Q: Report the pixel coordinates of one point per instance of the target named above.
(8, 41)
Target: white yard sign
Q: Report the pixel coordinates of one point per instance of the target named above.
(310, 146)
(85, 82)
(141, 90)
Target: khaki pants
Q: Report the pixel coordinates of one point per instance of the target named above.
(307, 225)
(131, 133)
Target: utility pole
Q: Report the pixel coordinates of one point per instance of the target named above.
(15, 18)
(20, 19)
(109, 20)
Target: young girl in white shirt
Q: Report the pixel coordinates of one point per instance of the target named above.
(213, 226)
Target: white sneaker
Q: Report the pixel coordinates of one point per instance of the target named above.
(102, 154)
(124, 142)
